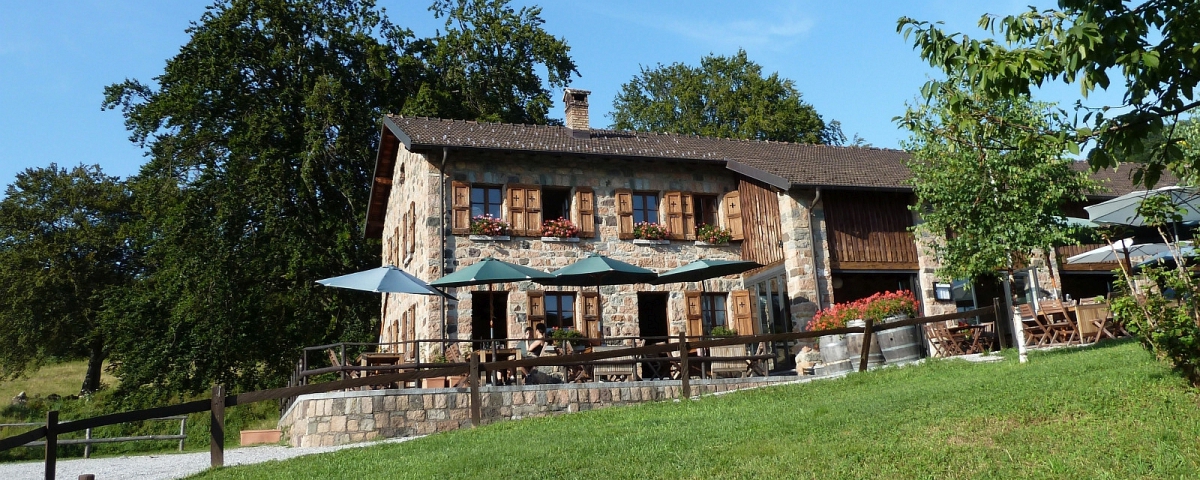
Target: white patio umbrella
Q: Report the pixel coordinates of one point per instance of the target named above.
(1121, 250)
(1123, 209)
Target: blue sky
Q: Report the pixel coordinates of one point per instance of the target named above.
(56, 56)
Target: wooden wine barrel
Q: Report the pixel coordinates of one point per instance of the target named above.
(833, 353)
(900, 344)
(854, 347)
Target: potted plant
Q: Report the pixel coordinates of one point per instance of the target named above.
(713, 235)
(721, 331)
(560, 230)
(575, 338)
(834, 347)
(436, 382)
(651, 232)
(901, 344)
(487, 227)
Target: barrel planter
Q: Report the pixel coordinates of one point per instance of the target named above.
(833, 353)
(900, 344)
(854, 346)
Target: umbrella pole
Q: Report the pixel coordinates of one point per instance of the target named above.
(492, 319)
(599, 313)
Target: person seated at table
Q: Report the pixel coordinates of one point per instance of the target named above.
(535, 341)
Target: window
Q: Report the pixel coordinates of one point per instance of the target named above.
(705, 209)
(556, 203)
(560, 310)
(712, 306)
(486, 200)
(645, 208)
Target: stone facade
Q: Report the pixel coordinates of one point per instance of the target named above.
(349, 417)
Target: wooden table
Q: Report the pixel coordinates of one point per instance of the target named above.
(977, 332)
(499, 355)
(380, 359)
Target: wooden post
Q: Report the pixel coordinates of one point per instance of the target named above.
(87, 447)
(473, 377)
(999, 313)
(51, 443)
(343, 371)
(866, 345)
(685, 372)
(182, 430)
(216, 444)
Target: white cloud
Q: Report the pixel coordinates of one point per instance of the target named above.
(757, 29)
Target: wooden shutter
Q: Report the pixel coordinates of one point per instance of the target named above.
(394, 336)
(585, 201)
(412, 331)
(591, 314)
(533, 211)
(689, 216)
(461, 202)
(536, 307)
(394, 248)
(694, 313)
(403, 252)
(733, 214)
(624, 213)
(672, 214)
(743, 312)
(516, 209)
(412, 227)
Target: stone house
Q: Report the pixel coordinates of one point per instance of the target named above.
(828, 224)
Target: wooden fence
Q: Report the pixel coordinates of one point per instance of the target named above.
(220, 399)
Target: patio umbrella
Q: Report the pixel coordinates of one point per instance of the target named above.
(701, 270)
(599, 270)
(386, 279)
(489, 271)
(1168, 258)
(1124, 249)
(1123, 209)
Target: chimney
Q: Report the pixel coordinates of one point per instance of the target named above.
(576, 102)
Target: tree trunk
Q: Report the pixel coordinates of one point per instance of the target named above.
(91, 381)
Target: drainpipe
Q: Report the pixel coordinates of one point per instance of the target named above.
(442, 250)
(812, 215)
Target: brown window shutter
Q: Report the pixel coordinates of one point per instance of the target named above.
(733, 214)
(536, 307)
(591, 314)
(694, 313)
(672, 213)
(689, 216)
(743, 312)
(412, 331)
(393, 336)
(412, 227)
(585, 201)
(403, 321)
(516, 209)
(533, 211)
(403, 252)
(461, 204)
(624, 213)
(394, 248)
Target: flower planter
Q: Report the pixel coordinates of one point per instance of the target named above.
(854, 347)
(701, 243)
(561, 239)
(490, 238)
(260, 437)
(833, 353)
(435, 382)
(900, 344)
(642, 241)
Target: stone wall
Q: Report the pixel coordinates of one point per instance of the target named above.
(802, 267)
(348, 417)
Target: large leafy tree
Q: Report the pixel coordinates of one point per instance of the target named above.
(262, 133)
(64, 250)
(1154, 46)
(724, 97)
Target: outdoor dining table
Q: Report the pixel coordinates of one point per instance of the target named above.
(379, 359)
(499, 355)
(977, 332)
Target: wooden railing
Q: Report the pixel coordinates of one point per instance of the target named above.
(219, 400)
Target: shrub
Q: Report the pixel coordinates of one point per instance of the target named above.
(560, 228)
(882, 305)
(836, 316)
(650, 231)
(488, 225)
(713, 234)
(1166, 326)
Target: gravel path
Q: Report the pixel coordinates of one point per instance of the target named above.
(165, 466)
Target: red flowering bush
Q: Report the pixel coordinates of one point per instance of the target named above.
(837, 315)
(883, 305)
(489, 225)
(561, 228)
(713, 234)
(650, 231)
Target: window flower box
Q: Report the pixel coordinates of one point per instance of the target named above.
(490, 238)
(489, 226)
(702, 243)
(713, 235)
(642, 241)
(561, 239)
(650, 231)
(560, 230)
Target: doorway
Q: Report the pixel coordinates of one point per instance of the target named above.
(481, 326)
(652, 315)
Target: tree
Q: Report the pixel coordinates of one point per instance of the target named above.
(262, 133)
(63, 251)
(724, 97)
(1153, 45)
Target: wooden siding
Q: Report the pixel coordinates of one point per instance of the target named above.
(869, 230)
(1072, 250)
(762, 233)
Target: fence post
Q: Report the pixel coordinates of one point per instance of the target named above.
(51, 443)
(182, 430)
(87, 447)
(866, 345)
(216, 444)
(473, 377)
(999, 314)
(685, 368)
(343, 371)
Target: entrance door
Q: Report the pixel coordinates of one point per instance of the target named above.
(489, 323)
(652, 315)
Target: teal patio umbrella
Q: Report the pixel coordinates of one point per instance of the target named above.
(489, 271)
(1123, 209)
(599, 270)
(701, 270)
(386, 279)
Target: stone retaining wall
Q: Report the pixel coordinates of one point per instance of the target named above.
(338, 418)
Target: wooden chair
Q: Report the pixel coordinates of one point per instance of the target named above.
(1091, 319)
(624, 371)
(1058, 322)
(946, 343)
(1035, 331)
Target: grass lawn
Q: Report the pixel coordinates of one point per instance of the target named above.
(1109, 411)
(60, 378)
